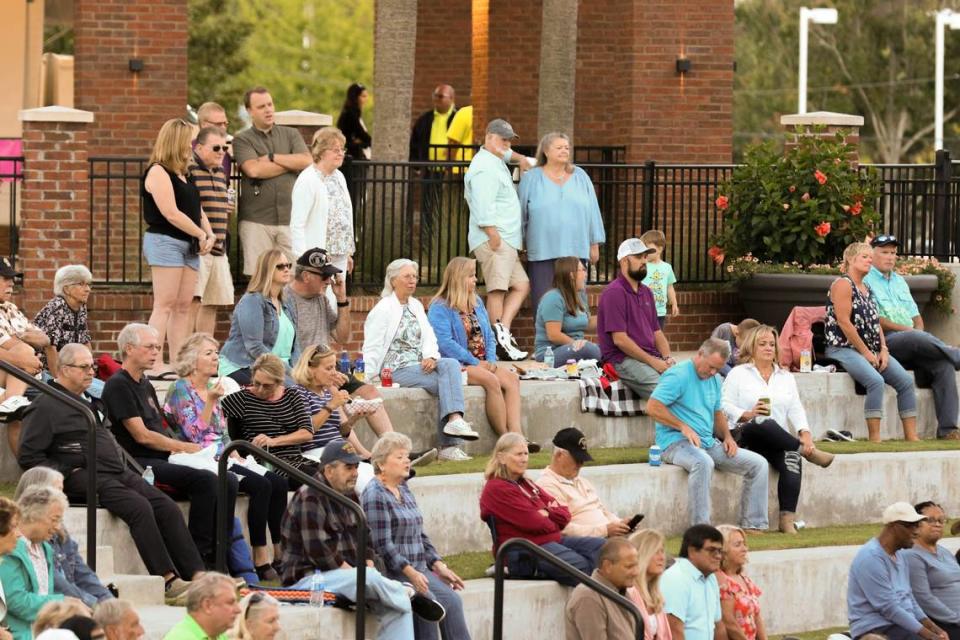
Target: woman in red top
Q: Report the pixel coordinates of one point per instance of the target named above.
(739, 595)
(521, 509)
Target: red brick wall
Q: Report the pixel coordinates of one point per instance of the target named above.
(130, 107)
(443, 52)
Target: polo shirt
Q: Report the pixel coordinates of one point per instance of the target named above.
(212, 185)
(691, 399)
(272, 205)
(632, 312)
(438, 136)
(461, 130)
(691, 597)
(892, 295)
(188, 629)
(493, 201)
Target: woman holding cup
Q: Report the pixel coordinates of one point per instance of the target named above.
(762, 399)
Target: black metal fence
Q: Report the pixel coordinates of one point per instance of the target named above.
(11, 181)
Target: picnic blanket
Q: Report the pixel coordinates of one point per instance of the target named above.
(608, 397)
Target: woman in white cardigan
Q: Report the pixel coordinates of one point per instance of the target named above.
(398, 336)
(321, 214)
(762, 399)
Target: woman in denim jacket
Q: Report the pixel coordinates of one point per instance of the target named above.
(262, 322)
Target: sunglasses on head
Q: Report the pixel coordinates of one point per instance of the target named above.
(884, 239)
(254, 600)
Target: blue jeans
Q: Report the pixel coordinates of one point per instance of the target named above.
(873, 380)
(700, 463)
(446, 383)
(922, 351)
(387, 598)
(454, 625)
(581, 552)
(564, 352)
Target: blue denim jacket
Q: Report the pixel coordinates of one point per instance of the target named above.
(452, 337)
(72, 576)
(253, 330)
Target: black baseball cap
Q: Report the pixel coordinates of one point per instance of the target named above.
(885, 241)
(7, 270)
(573, 441)
(316, 261)
(339, 450)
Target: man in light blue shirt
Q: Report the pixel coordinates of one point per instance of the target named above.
(689, 420)
(495, 233)
(879, 597)
(913, 347)
(690, 591)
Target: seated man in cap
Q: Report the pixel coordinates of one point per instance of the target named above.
(913, 347)
(879, 597)
(319, 534)
(627, 327)
(562, 480)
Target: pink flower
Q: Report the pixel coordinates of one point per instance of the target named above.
(805, 196)
(822, 229)
(857, 208)
(716, 254)
(820, 176)
(722, 202)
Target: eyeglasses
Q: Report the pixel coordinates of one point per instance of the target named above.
(152, 347)
(337, 150)
(936, 521)
(85, 367)
(713, 551)
(284, 266)
(266, 386)
(217, 148)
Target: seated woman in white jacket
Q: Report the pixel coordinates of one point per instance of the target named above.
(398, 336)
(762, 399)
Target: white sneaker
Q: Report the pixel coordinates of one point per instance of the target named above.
(453, 454)
(507, 342)
(460, 428)
(13, 403)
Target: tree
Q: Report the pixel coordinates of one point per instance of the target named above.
(216, 59)
(877, 61)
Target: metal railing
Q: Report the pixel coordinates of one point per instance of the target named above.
(582, 154)
(561, 566)
(87, 413)
(224, 516)
(11, 181)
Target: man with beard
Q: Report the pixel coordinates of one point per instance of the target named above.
(627, 327)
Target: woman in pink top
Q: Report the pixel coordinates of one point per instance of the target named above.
(739, 595)
(646, 594)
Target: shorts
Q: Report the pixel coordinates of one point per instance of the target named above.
(161, 250)
(256, 238)
(501, 268)
(215, 283)
(351, 385)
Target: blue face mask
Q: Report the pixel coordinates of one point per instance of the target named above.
(507, 155)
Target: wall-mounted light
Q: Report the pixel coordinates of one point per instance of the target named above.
(683, 65)
(135, 65)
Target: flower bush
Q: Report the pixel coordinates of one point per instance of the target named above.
(804, 206)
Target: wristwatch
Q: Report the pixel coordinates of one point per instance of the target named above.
(345, 303)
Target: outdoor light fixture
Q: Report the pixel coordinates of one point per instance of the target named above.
(683, 65)
(135, 65)
(945, 18)
(817, 16)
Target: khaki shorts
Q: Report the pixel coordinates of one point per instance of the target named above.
(255, 238)
(501, 269)
(214, 282)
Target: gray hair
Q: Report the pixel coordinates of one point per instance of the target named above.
(69, 275)
(387, 444)
(110, 612)
(186, 361)
(37, 500)
(130, 336)
(393, 270)
(250, 611)
(71, 351)
(36, 477)
(205, 587)
(711, 346)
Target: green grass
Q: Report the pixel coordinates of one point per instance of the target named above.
(819, 634)
(7, 489)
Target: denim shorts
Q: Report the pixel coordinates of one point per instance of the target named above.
(163, 251)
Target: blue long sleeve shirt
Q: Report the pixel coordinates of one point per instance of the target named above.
(879, 592)
(560, 220)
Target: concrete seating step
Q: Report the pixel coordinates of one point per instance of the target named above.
(142, 590)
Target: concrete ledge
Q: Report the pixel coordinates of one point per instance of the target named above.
(55, 114)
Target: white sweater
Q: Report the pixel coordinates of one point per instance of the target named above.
(310, 208)
(381, 327)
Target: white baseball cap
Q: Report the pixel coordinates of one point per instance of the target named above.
(901, 512)
(632, 247)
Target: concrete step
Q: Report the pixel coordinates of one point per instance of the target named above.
(141, 590)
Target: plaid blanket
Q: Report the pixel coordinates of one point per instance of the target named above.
(609, 398)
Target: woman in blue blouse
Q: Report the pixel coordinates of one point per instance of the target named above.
(463, 332)
(560, 213)
(563, 316)
(396, 526)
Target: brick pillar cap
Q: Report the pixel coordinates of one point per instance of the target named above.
(55, 114)
(827, 118)
(298, 118)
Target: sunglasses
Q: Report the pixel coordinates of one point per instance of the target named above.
(284, 266)
(254, 600)
(885, 239)
(217, 148)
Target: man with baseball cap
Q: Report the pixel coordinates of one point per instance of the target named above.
(929, 357)
(319, 534)
(879, 597)
(562, 480)
(495, 234)
(627, 327)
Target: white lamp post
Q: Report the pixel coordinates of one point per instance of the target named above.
(818, 16)
(945, 18)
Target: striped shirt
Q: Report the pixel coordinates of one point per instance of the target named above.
(315, 403)
(271, 418)
(212, 185)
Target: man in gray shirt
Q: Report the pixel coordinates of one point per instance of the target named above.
(270, 157)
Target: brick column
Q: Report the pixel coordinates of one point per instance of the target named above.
(55, 223)
(306, 122)
(803, 124)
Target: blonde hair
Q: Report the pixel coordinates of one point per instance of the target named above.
(271, 365)
(324, 140)
(262, 279)
(852, 251)
(187, 356)
(453, 288)
(545, 143)
(728, 530)
(393, 270)
(172, 148)
(648, 542)
(749, 346)
(495, 468)
(53, 614)
(310, 358)
(388, 443)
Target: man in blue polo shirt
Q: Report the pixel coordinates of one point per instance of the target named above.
(690, 591)
(627, 328)
(913, 347)
(692, 432)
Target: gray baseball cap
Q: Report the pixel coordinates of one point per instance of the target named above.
(502, 128)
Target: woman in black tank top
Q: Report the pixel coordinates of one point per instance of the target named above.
(178, 232)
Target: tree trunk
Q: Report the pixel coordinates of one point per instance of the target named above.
(558, 65)
(395, 35)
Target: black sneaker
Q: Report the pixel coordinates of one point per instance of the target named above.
(429, 610)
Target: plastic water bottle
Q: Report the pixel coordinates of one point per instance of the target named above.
(344, 363)
(148, 475)
(358, 369)
(548, 357)
(317, 587)
(654, 458)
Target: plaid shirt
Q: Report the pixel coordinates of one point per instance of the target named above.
(397, 529)
(317, 533)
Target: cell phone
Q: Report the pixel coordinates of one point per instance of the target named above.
(634, 521)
